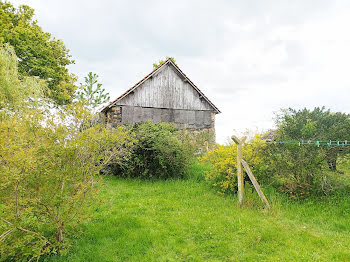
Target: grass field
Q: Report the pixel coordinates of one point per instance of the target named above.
(185, 220)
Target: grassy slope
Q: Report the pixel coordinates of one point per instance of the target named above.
(187, 221)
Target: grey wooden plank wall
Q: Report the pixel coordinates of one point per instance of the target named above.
(182, 118)
(166, 89)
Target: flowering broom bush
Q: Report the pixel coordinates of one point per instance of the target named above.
(223, 161)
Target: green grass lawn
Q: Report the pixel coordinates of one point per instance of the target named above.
(185, 220)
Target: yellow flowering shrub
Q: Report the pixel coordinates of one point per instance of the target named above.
(223, 160)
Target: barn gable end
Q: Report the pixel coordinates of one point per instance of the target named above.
(166, 89)
(165, 95)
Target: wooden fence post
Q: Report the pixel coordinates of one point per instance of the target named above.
(240, 178)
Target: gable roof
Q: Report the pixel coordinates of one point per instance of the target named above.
(168, 61)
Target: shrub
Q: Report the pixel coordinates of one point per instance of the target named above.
(158, 151)
(48, 168)
(223, 160)
(317, 124)
(301, 171)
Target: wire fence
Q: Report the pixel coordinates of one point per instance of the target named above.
(343, 143)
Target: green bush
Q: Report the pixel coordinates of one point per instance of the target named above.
(298, 171)
(48, 179)
(301, 171)
(158, 151)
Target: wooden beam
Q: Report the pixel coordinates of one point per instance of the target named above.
(255, 184)
(240, 178)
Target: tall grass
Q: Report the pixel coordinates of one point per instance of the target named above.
(186, 220)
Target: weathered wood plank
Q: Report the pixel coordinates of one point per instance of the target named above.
(182, 118)
(166, 90)
(240, 178)
(255, 184)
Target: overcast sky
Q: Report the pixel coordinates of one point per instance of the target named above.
(250, 57)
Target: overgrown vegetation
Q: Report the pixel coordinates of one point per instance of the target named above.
(48, 179)
(158, 151)
(302, 170)
(49, 160)
(52, 152)
(223, 160)
(317, 124)
(295, 169)
(162, 61)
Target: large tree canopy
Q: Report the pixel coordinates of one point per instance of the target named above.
(38, 53)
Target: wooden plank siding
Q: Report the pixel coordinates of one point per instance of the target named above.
(180, 117)
(166, 89)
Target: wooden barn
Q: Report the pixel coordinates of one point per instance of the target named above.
(164, 95)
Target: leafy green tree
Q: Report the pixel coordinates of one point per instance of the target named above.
(160, 62)
(15, 92)
(91, 92)
(317, 124)
(38, 53)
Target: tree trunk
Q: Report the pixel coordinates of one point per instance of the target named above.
(59, 233)
(331, 157)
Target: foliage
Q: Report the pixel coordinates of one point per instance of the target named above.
(48, 165)
(38, 53)
(223, 160)
(157, 151)
(160, 62)
(296, 169)
(48, 178)
(302, 170)
(317, 124)
(13, 90)
(92, 93)
(181, 220)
